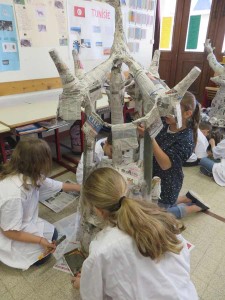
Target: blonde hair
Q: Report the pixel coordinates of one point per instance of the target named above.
(32, 159)
(153, 229)
(189, 102)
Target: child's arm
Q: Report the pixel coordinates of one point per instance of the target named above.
(27, 237)
(71, 187)
(161, 157)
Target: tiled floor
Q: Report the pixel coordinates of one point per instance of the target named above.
(204, 231)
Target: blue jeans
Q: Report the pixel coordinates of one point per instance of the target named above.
(178, 210)
(206, 166)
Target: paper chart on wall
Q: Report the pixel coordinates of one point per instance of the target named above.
(41, 23)
(9, 55)
(91, 26)
(139, 24)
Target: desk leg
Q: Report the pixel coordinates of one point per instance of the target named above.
(57, 145)
(2, 145)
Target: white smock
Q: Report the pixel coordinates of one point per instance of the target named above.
(116, 270)
(98, 155)
(200, 149)
(19, 211)
(218, 169)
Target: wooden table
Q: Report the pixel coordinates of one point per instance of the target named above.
(29, 113)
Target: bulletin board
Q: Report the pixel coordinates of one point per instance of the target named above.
(31, 25)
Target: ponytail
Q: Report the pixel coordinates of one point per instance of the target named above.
(153, 229)
(189, 103)
(194, 124)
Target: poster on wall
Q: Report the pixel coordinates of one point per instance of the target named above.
(91, 26)
(41, 23)
(9, 55)
(140, 24)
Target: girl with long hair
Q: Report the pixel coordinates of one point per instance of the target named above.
(139, 254)
(171, 148)
(23, 181)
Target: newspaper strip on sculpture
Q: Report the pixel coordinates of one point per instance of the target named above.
(89, 225)
(124, 137)
(88, 155)
(92, 125)
(134, 91)
(217, 111)
(152, 92)
(70, 100)
(115, 93)
(154, 66)
(148, 165)
(76, 91)
(78, 66)
(152, 122)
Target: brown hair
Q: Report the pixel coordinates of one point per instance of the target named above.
(32, 159)
(205, 126)
(153, 229)
(189, 102)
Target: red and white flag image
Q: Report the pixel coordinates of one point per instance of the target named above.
(79, 11)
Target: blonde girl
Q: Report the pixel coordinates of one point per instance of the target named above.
(140, 253)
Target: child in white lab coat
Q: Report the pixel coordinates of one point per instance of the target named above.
(202, 145)
(139, 249)
(23, 181)
(103, 147)
(215, 167)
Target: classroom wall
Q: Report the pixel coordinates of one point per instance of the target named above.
(35, 62)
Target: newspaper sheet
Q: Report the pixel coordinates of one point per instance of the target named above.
(69, 227)
(60, 200)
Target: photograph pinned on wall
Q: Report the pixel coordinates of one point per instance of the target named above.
(86, 43)
(59, 4)
(19, 2)
(25, 43)
(6, 25)
(63, 42)
(5, 62)
(98, 44)
(40, 13)
(96, 29)
(9, 47)
(75, 29)
(42, 28)
(106, 51)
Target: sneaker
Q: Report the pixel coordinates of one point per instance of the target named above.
(197, 200)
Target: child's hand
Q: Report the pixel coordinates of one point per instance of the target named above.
(141, 130)
(76, 281)
(212, 142)
(49, 247)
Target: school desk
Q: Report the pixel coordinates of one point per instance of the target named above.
(22, 114)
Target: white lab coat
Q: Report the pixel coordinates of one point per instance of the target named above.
(19, 211)
(201, 147)
(219, 168)
(115, 270)
(98, 155)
